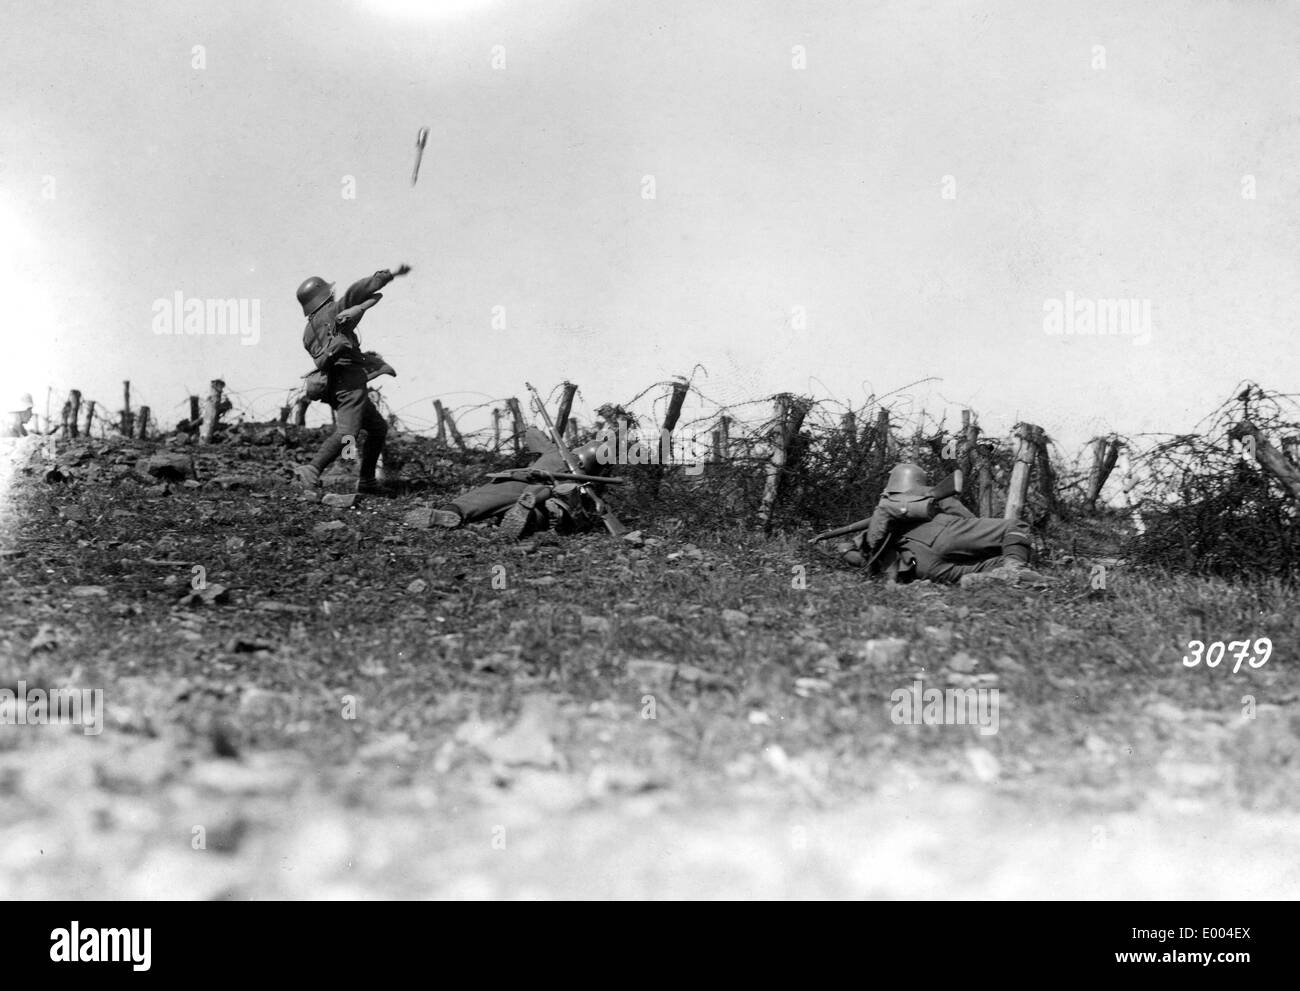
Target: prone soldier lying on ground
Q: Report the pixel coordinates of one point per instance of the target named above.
(545, 495)
(918, 531)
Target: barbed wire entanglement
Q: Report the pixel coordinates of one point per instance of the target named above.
(1207, 504)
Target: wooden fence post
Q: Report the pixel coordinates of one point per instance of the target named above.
(566, 404)
(1018, 490)
(90, 415)
(1273, 460)
(984, 458)
(722, 440)
(66, 425)
(441, 438)
(451, 428)
(142, 423)
(299, 411)
(74, 398)
(126, 423)
(790, 413)
(496, 430)
(1291, 448)
(1105, 452)
(212, 411)
(517, 419)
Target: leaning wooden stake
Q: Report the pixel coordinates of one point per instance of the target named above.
(1105, 452)
(451, 429)
(496, 430)
(212, 411)
(572, 435)
(300, 412)
(142, 423)
(790, 413)
(1273, 460)
(90, 415)
(67, 425)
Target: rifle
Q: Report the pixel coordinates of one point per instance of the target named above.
(563, 476)
(946, 489)
(612, 522)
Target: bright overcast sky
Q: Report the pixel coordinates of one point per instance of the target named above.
(130, 174)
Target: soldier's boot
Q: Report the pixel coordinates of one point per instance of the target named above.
(375, 487)
(1012, 571)
(448, 518)
(306, 477)
(514, 524)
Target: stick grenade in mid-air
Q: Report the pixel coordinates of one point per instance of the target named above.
(950, 486)
(612, 522)
(420, 139)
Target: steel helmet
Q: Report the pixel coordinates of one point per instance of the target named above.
(21, 404)
(313, 293)
(588, 463)
(907, 479)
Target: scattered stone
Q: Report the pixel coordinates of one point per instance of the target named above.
(339, 500)
(270, 605)
(88, 591)
(417, 586)
(170, 467)
(651, 674)
(332, 526)
(962, 662)
(884, 652)
(634, 538)
(807, 687)
(596, 624)
(734, 617)
(211, 594)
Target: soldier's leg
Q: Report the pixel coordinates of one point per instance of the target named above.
(376, 431)
(971, 541)
(970, 546)
(486, 500)
(349, 400)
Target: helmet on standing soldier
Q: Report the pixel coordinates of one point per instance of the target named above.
(313, 293)
(907, 479)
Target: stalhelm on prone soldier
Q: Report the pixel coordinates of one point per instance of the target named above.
(528, 500)
(18, 416)
(922, 532)
(342, 371)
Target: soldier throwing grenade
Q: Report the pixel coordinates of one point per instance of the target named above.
(331, 339)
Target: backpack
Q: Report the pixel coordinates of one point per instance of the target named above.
(321, 338)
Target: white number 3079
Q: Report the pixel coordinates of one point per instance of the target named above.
(1258, 656)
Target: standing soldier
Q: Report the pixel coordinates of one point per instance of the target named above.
(331, 339)
(528, 499)
(17, 416)
(921, 532)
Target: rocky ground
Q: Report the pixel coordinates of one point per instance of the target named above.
(303, 700)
